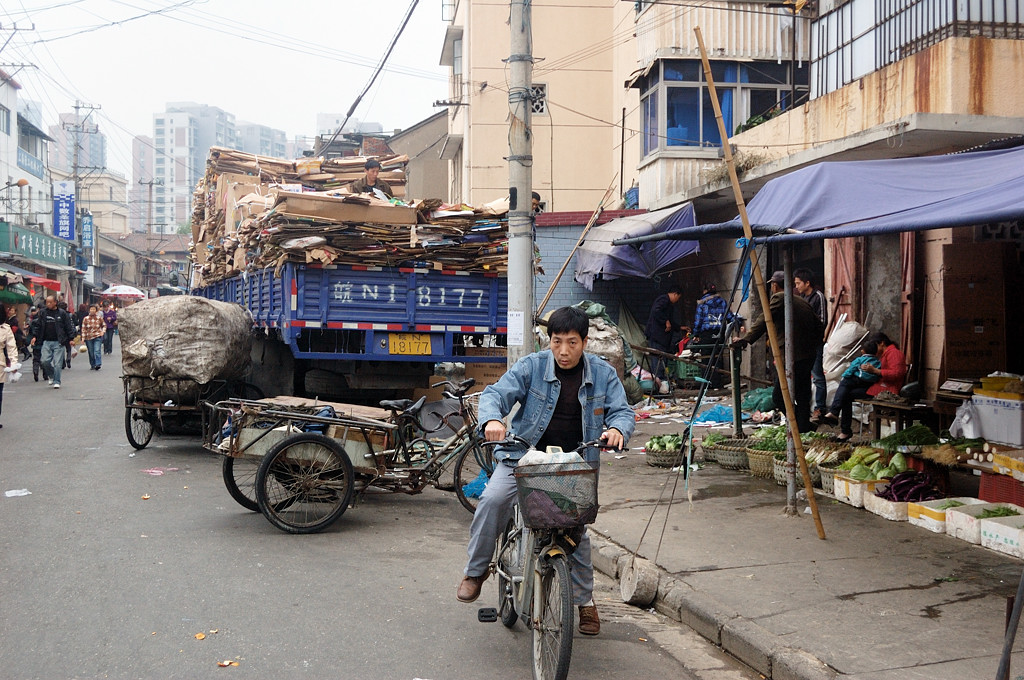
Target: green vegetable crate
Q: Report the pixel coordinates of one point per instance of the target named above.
(931, 515)
(965, 522)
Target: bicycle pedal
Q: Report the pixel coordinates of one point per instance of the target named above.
(487, 615)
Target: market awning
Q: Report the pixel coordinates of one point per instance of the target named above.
(33, 277)
(599, 258)
(861, 198)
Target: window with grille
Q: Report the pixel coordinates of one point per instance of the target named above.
(539, 99)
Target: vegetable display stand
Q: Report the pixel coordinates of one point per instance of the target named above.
(1004, 534)
(891, 510)
(760, 462)
(931, 515)
(732, 454)
(666, 459)
(852, 491)
(964, 522)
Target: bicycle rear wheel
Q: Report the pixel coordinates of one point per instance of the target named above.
(552, 630)
(240, 480)
(472, 470)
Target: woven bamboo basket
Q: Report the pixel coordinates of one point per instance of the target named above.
(828, 475)
(760, 462)
(779, 473)
(710, 452)
(666, 459)
(732, 454)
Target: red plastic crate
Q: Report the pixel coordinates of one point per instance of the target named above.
(1000, 489)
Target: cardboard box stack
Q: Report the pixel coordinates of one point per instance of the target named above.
(253, 212)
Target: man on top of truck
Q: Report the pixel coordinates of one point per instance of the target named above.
(369, 182)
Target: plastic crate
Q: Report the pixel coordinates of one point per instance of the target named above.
(995, 488)
(686, 371)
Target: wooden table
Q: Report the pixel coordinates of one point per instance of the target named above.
(903, 414)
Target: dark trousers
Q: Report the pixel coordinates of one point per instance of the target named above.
(37, 362)
(108, 341)
(818, 376)
(657, 363)
(849, 390)
(1, 397)
(801, 394)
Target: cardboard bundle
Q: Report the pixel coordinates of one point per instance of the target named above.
(253, 212)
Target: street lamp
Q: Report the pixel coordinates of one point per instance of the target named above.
(21, 184)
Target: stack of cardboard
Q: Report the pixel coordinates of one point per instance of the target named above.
(252, 212)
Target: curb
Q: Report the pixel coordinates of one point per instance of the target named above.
(749, 642)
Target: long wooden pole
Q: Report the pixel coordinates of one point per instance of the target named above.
(773, 338)
(583, 235)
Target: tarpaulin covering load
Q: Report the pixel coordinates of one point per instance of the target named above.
(599, 258)
(185, 338)
(860, 198)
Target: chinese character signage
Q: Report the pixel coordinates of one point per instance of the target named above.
(87, 231)
(64, 210)
(32, 245)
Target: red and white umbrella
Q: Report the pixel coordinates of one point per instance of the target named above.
(123, 291)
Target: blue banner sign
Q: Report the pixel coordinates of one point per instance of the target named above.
(87, 231)
(64, 210)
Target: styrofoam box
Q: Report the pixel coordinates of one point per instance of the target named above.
(892, 510)
(852, 491)
(1000, 420)
(1004, 534)
(963, 522)
(927, 515)
(1010, 463)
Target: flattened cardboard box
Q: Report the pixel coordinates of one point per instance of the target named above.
(331, 208)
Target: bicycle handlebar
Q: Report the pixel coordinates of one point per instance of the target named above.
(457, 391)
(516, 441)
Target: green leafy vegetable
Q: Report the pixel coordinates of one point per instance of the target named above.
(1001, 511)
(950, 504)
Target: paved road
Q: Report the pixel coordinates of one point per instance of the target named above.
(98, 583)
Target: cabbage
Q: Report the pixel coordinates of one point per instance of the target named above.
(898, 463)
(886, 473)
(860, 473)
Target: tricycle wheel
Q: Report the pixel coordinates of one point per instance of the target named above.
(472, 470)
(136, 426)
(240, 480)
(244, 390)
(304, 483)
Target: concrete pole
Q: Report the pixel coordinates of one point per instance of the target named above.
(520, 177)
(787, 268)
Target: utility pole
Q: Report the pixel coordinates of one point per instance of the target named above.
(149, 220)
(520, 175)
(78, 128)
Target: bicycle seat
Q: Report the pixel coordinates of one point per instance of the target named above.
(396, 404)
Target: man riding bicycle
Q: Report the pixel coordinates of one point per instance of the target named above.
(565, 397)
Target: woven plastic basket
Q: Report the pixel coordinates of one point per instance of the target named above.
(732, 454)
(557, 495)
(665, 459)
(760, 462)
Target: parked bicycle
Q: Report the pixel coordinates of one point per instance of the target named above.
(303, 466)
(554, 502)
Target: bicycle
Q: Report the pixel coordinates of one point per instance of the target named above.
(531, 556)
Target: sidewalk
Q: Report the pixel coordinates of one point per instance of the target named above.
(875, 600)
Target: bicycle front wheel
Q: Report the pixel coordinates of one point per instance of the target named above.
(510, 567)
(240, 480)
(472, 470)
(552, 621)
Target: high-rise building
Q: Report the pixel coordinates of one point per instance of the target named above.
(261, 139)
(92, 144)
(182, 137)
(328, 123)
(142, 193)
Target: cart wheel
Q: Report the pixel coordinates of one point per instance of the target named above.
(304, 483)
(472, 470)
(136, 426)
(240, 480)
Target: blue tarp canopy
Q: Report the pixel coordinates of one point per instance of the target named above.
(598, 258)
(860, 198)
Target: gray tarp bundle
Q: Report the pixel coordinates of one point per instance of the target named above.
(185, 337)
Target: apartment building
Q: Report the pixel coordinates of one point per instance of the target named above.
(262, 140)
(92, 144)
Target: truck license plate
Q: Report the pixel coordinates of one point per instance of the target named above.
(409, 343)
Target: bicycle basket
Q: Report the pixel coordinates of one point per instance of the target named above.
(557, 495)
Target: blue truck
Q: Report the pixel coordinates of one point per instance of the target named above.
(346, 332)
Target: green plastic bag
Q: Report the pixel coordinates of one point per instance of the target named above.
(758, 400)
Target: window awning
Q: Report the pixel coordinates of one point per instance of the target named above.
(33, 277)
(599, 257)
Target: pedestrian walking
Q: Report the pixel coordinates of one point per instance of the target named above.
(35, 343)
(55, 332)
(69, 353)
(93, 328)
(8, 349)
(110, 320)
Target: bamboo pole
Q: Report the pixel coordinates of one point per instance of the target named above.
(773, 338)
(583, 235)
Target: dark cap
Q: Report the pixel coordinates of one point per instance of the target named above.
(779, 279)
(372, 163)
(712, 288)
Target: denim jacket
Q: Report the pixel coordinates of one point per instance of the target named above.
(531, 383)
